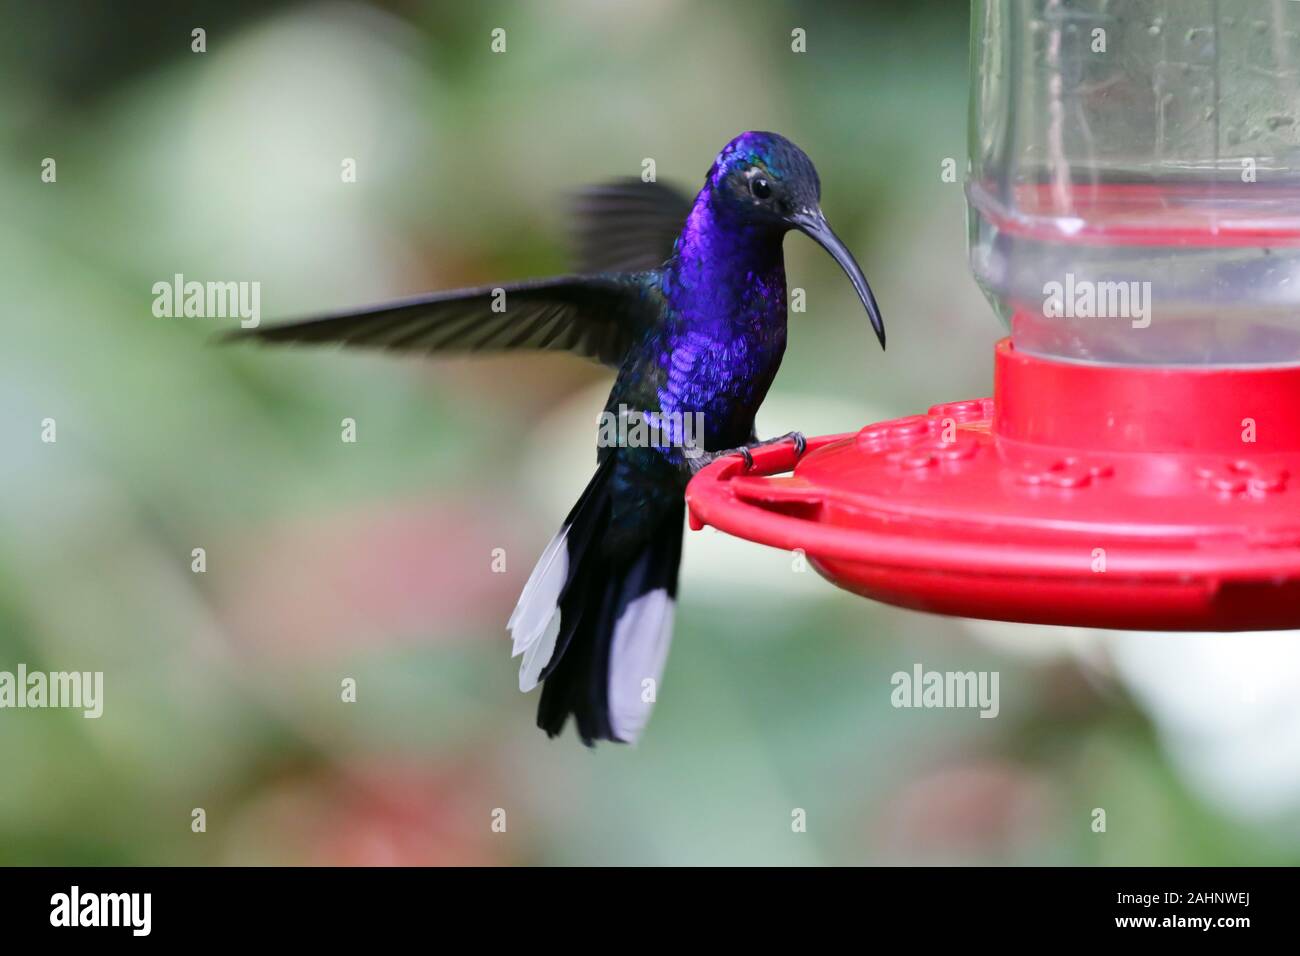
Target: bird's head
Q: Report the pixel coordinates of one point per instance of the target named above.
(765, 180)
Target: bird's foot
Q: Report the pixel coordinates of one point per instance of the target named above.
(703, 459)
(706, 458)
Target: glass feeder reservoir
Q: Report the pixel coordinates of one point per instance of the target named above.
(1134, 217)
(1132, 187)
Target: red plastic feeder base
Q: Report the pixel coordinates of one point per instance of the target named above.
(1145, 498)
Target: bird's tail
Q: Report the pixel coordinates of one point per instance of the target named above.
(595, 627)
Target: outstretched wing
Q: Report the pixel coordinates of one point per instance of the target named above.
(627, 225)
(597, 317)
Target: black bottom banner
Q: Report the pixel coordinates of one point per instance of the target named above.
(330, 906)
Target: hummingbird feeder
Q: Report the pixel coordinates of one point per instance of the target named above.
(1134, 219)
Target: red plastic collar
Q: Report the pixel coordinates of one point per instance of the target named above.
(1146, 409)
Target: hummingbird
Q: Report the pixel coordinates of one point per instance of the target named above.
(686, 300)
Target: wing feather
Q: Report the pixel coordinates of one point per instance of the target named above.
(627, 225)
(598, 317)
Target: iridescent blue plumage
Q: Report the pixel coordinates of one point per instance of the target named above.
(696, 336)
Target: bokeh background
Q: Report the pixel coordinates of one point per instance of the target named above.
(373, 560)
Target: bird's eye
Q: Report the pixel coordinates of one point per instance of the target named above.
(760, 187)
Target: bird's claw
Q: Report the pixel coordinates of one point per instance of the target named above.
(746, 452)
(704, 459)
(800, 443)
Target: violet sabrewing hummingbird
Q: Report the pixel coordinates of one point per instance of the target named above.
(687, 301)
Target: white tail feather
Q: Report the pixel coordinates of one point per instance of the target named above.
(642, 636)
(538, 654)
(535, 623)
(541, 570)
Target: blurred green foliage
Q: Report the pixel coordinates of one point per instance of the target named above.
(372, 560)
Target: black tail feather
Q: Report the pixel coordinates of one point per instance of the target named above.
(597, 595)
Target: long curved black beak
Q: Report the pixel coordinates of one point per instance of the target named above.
(813, 223)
